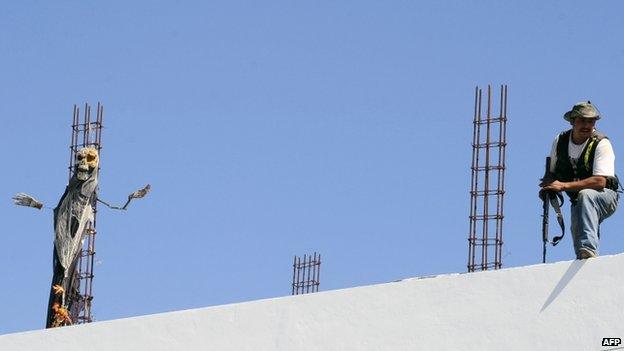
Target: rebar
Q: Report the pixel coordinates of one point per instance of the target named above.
(306, 274)
(90, 135)
(484, 213)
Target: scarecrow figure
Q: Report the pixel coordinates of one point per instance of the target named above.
(73, 217)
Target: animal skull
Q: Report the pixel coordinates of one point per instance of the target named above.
(86, 161)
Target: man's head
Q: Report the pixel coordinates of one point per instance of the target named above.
(583, 109)
(582, 117)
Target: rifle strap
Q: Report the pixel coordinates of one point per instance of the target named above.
(556, 201)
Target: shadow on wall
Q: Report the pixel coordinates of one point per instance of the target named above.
(575, 266)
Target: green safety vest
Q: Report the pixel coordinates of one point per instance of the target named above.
(566, 172)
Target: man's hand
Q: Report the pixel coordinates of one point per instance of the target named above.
(549, 183)
(593, 182)
(555, 186)
(549, 178)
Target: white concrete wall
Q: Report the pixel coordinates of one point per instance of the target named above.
(562, 306)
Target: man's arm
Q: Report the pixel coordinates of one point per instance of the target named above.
(594, 182)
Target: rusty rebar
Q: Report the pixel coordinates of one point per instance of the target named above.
(81, 130)
(306, 274)
(480, 195)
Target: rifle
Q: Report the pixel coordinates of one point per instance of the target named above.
(550, 197)
(545, 209)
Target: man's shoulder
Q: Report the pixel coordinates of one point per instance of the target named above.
(562, 136)
(600, 135)
(563, 133)
(605, 143)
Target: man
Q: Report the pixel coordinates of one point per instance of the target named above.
(582, 164)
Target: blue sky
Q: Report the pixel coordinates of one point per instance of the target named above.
(274, 129)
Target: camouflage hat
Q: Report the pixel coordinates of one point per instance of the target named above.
(583, 109)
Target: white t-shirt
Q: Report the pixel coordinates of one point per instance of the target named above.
(604, 159)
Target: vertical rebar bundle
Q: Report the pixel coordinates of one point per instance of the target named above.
(488, 184)
(85, 133)
(306, 274)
